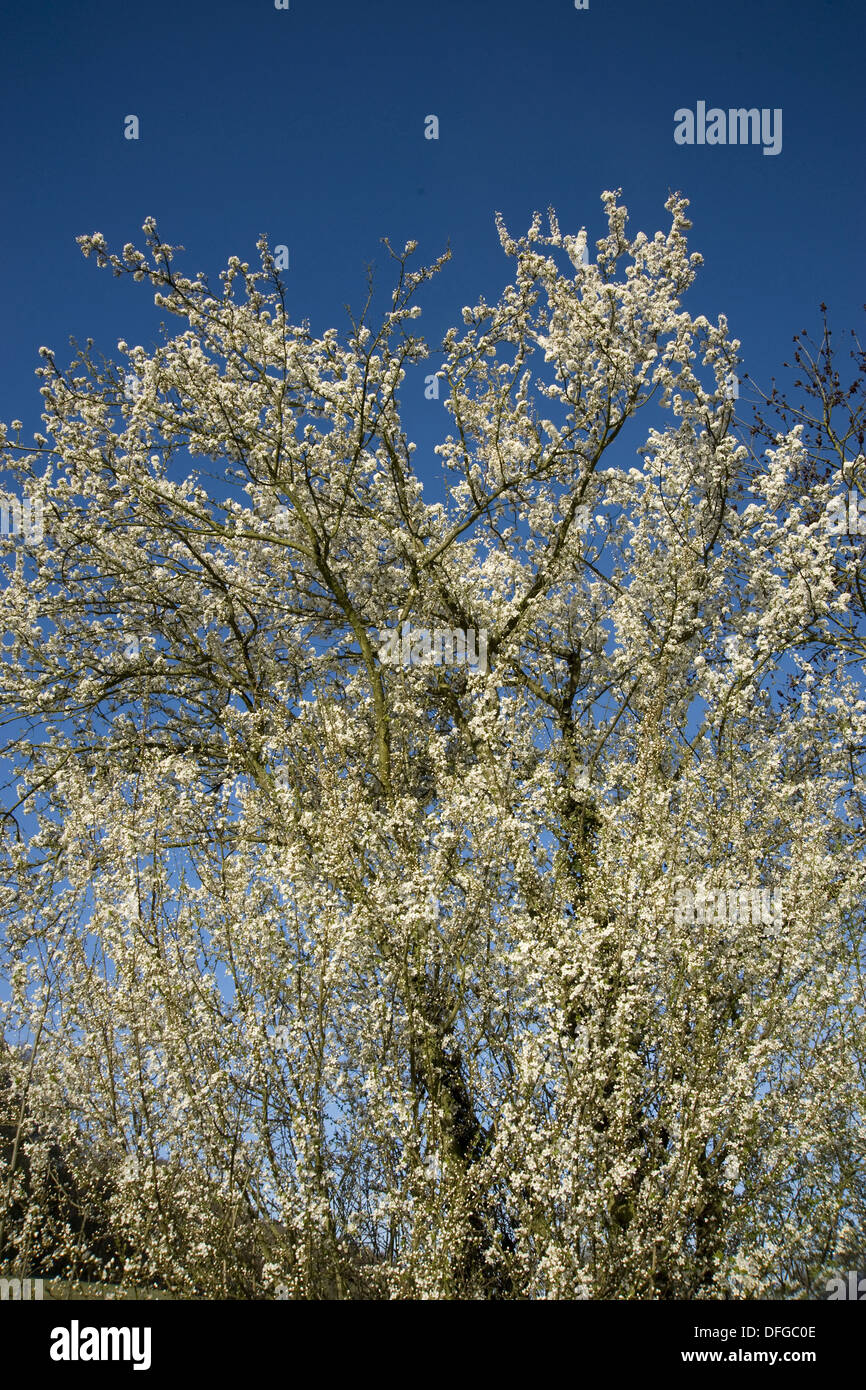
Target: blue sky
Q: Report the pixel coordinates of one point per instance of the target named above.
(308, 124)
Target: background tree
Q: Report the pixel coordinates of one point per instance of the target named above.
(377, 976)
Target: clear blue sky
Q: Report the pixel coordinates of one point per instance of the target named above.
(308, 124)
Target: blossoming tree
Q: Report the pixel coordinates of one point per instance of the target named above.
(362, 979)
